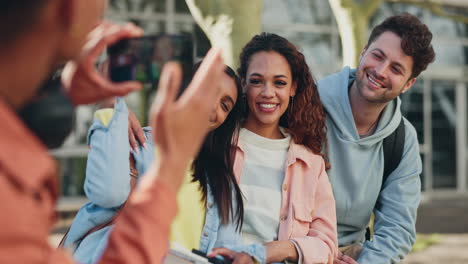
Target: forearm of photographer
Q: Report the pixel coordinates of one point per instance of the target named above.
(179, 125)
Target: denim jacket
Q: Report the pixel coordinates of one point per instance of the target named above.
(107, 183)
(215, 235)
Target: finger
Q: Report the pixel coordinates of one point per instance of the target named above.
(175, 81)
(340, 255)
(238, 261)
(67, 74)
(140, 136)
(104, 68)
(211, 67)
(103, 37)
(348, 259)
(162, 102)
(132, 140)
(337, 259)
(243, 258)
(204, 85)
(100, 28)
(223, 252)
(168, 86)
(137, 129)
(99, 39)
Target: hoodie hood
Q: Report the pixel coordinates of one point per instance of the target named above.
(334, 94)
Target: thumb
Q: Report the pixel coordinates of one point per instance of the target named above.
(168, 86)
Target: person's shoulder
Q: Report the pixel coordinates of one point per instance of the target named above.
(24, 159)
(334, 77)
(411, 146)
(410, 162)
(331, 87)
(410, 130)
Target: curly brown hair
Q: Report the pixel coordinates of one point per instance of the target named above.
(415, 39)
(306, 119)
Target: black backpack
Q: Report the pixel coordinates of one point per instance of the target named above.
(393, 146)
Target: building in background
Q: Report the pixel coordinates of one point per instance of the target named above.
(436, 105)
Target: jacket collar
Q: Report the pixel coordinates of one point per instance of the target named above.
(299, 152)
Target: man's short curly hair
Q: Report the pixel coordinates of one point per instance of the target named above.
(415, 39)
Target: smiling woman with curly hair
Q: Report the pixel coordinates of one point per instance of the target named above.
(288, 201)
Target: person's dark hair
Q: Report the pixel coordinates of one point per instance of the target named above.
(213, 166)
(415, 39)
(16, 16)
(306, 119)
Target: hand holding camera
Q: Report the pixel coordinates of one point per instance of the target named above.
(80, 78)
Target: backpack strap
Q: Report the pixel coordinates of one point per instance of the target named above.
(393, 146)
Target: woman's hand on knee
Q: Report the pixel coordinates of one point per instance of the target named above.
(236, 257)
(343, 259)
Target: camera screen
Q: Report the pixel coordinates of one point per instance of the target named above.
(142, 59)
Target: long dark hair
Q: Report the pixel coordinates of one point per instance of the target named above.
(214, 164)
(306, 120)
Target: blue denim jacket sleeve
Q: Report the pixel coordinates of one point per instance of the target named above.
(107, 182)
(395, 212)
(231, 238)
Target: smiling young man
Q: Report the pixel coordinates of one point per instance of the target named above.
(363, 109)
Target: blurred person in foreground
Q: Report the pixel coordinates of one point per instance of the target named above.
(37, 37)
